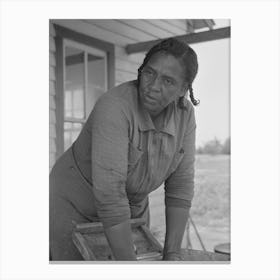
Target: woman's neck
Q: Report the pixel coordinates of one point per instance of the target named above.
(158, 120)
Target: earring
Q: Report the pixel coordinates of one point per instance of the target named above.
(182, 102)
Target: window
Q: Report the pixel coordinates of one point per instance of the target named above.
(85, 80)
(84, 71)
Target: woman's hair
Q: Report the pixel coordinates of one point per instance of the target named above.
(185, 54)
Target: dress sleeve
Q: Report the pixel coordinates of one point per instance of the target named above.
(109, 160)
(179, 186)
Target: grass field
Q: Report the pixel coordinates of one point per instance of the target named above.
(211, 204)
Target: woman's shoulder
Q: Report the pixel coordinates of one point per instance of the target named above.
(187, 114)
(120, 98)
(122, 90)
(186, 107)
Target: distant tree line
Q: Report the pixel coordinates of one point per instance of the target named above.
(215, 147)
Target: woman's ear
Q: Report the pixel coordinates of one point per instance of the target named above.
(185, 89)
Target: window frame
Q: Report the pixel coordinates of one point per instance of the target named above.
(85, 40)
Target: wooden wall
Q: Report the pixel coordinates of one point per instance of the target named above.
(52, 105)
(126, 66)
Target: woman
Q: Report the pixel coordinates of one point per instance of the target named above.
(139, 135)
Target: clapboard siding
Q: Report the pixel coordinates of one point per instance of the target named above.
(52, 102)
(126, 65)
(52, 44)
(51, 30)
(52, 117)
(52, 145)
(120, 28)
(165, 25)
(145, 26)
(52, 105)
(52, 130)
(94, 31)
(121, 32)
(52, 88)
(180, 23)
(121, 53)
(123, 76)
(52, 73)
(51, 160)
(52, 59)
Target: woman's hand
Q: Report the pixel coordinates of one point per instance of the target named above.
(120, 240)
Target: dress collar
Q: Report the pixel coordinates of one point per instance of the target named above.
(170, 119)
(145, 121)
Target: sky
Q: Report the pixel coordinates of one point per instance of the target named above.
(212, 88)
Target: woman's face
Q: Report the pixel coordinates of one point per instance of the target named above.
(161, 82)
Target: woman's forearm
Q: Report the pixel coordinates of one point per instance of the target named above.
(176, 219)
(120, 241)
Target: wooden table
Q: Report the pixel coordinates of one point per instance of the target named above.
(90, 240)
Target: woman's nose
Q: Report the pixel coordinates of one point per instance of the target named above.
(155, 84)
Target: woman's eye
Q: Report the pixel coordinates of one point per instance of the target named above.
(168, 82)
(149, 72)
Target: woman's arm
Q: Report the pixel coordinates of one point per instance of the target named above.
(109, 174)
(179, 190)
(176, 219)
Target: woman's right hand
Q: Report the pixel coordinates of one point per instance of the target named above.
(120, 240)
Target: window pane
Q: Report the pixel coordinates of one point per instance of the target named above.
(97, 80)
(76, 129)
(78, 104)
(68, 103)
(74, 83)
(71, 132)
(67, 135)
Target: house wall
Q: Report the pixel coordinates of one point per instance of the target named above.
(126, 66)
(52, 105)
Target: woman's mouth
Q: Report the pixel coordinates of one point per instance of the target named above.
(150, 99)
